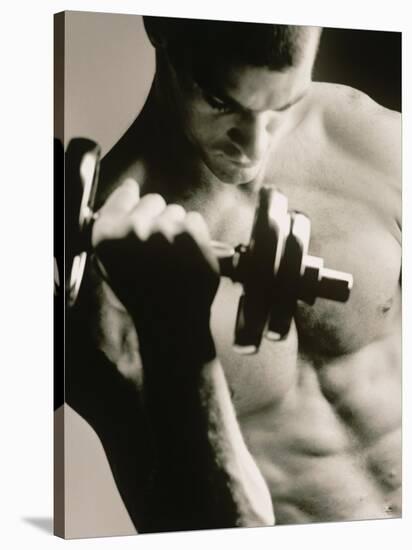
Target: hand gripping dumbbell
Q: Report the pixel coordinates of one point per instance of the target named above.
(275, 269)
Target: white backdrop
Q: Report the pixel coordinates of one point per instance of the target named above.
(26, 272)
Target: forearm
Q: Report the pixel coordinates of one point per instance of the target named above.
(204, 475)
(159, 263)
(178, 457)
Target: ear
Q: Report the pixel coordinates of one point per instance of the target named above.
(157, 30)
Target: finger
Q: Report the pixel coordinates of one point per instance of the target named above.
(144, 214)
(112, 220)
(196, 226)
(123, 199)
(170, 221)
(174, 212)
(195, 242)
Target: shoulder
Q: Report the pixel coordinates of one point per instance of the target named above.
(367, 139)
(360, 126)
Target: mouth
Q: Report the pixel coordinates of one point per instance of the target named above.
(240, 162)
(243, 164)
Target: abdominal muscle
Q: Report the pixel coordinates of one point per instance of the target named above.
(326, 434)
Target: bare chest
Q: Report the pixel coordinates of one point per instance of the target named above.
(321, 410)
(353, 232)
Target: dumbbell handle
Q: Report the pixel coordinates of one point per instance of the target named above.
(222, 251)
(335, 285)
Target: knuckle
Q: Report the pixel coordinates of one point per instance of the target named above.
(175, 211)
(105, 228)
(154, 199)
(130, 183)
(140, 226)
(146, 212)
(194, 219)
(123, 197)
(196, 224)
(167, 227)
(129, 189)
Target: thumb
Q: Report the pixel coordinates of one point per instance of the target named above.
(112, 218)
(123, 199)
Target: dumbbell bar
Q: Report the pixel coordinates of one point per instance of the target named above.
(274, 269)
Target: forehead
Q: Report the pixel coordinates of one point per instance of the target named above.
(259, 88)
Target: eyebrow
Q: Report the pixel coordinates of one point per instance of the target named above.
(232, 103)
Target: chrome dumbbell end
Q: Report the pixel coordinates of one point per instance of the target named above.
(322, 282)
(335, 285)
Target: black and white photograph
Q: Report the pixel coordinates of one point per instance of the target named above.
(232, 227)
(205, 307)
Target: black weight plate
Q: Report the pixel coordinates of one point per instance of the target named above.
(263, 254)
(81, 175)
(287, 283)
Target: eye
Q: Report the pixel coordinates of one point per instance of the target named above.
(217, 103)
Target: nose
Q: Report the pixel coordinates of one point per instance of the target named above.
(252, 134)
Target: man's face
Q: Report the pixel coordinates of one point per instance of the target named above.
(234, 125)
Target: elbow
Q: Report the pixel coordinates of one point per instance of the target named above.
(257, 511)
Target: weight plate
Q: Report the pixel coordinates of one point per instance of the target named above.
(262, 263)
(287, 283)
(81, 177)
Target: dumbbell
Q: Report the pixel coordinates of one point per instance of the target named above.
(274, 268)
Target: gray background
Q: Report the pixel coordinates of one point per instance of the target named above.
(109, 69)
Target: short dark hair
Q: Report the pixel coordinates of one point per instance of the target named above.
(201, 48)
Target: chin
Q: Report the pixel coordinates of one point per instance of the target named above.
(232, 174)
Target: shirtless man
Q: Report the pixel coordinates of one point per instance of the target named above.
(309, 428)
